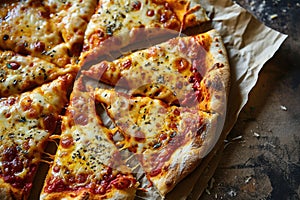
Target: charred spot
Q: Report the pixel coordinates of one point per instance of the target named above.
(218, 65)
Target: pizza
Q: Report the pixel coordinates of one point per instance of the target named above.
(19, 73)
(183, 71)
(172, 105)
(169, 141)
(51, 30)
(133, 104)
(27, 121)
(87, 164)
(112, 18)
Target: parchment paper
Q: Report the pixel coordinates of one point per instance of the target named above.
(250, 44)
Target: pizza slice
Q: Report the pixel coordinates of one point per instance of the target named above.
(20, 73)
(51, 30)
(187, 71)
(87, 164)
(26, 122)
(169, 141)
(113, 19)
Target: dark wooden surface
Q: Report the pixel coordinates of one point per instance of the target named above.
(262, 156)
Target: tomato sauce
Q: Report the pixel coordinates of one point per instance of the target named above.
(12, 164)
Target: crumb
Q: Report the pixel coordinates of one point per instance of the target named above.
(237, 138)
(283, 108)
(272, 145)
(274, 16)
(248, 179)
(256, 135)
(232, 193)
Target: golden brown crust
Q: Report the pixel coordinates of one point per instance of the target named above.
(64, 43)
(216, 80)
(187, 158)
(212, 108)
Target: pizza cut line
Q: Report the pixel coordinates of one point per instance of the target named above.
(160, 132)
(165, 103)
(87, 165)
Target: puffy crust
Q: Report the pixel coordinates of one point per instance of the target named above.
(188, 157)
(217, 78)
(128, 194)
(218, 90)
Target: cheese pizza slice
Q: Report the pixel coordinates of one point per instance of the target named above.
(20, 73)
(52, 30)
(113, 18)
(169, 141)
(189, 71)
(87, 164)
(26, 122)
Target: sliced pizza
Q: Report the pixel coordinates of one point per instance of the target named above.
(87, 164)
(26, 122)
(20, 73)
(186, 71)
(52, 30)
(114, 18)
(169, 141)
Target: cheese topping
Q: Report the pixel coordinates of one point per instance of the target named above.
(26, 121)
(86, 158)
(19, 73)
(113, 18)
(172, 71)
(52, 30)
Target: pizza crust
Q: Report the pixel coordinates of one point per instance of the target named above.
(187, 158)
(217, 78)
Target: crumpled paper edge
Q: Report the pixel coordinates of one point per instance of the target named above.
(250, 44)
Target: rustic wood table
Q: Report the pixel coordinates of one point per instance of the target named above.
(262, 157)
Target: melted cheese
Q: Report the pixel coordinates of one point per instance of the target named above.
(114, 18)
(51, 30)
(147, 123)
(22, 121)
(84, 148)
(162, 71)
(19, 73)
